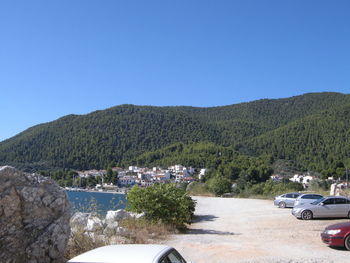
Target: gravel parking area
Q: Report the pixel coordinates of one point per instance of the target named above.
(250, 230)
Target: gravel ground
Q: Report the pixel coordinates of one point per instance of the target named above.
(249, 231)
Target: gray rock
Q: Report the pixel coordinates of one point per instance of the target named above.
(119, 215)
(111, 229)
(79, 220)
(116, 216)
(94, 224)
(34, 218)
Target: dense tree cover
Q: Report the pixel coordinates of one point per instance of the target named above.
(96, 139)
(268, 189)
(162, 202)
(226, 166)
(71, 178)
(320, 142)
(199, 155)
(310, 129)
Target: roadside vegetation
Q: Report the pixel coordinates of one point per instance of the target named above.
(268, 189)
(167, 209)
(162, 203)
(198, 189)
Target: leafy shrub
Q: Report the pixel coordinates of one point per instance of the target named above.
(219, 185)
(162, 203)
(270, 189)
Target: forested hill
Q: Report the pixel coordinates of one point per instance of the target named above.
(124, 132)
(320, 142)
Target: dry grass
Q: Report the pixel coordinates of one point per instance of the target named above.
(80, 242)
(198, 189)
(141, 231)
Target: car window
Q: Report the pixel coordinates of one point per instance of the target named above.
(306, 197)
(318, 201)
(289, 195)
(295, 195)
(340, 201)
(329, 201)
(312, 196)
(173, 257)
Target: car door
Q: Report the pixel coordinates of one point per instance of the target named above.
(289, 199)
(340, 207)
(325, 209)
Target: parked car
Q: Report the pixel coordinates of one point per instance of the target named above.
(307, 199)
(331, 206)
(286, 200)
(337, 235)
(130, 254)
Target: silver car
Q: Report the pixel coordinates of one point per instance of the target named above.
(130, 254)
(331, 206)
(286, 200)
(307, 199)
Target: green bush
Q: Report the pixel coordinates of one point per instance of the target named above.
(219, 185)
(270, 189)
(162, 203)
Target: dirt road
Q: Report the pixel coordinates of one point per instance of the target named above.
(248, 230)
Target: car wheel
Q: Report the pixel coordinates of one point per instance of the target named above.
(347, 242)
(282, 205)
(306, 215)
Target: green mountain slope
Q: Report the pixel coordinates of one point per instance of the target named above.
(320, 142)
(221, 160)
(98, 138)
(124, 132)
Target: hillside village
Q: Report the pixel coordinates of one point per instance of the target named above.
(144, 176)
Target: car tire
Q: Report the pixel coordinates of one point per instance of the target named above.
(306, 215)
(347, 242)
(282, 205)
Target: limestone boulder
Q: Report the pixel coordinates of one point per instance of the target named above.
(34, 218)
(119, 215)
(111, 229)
(94, 224)
(116, 216)
(79, 220)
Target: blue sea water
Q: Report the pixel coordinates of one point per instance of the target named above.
(96, 202)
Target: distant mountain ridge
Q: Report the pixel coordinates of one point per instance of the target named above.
(269, 126)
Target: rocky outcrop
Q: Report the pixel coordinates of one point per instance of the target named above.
(34, 218)
(105, 229)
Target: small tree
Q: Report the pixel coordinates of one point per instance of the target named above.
(219, 185)
(162, 202)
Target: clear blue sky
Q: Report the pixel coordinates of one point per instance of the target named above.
(75, 56)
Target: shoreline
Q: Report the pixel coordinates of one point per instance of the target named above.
(96, 191)
(105, 192)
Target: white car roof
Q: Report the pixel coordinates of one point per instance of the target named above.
(123, 254)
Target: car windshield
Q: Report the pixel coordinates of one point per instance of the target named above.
(318, 201)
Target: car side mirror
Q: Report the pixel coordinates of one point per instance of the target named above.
(322, 204)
